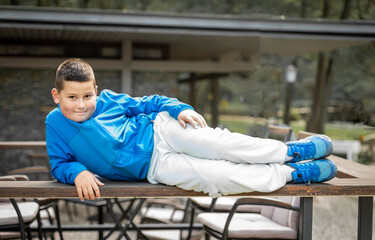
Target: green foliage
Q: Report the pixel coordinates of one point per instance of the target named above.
(354, 78)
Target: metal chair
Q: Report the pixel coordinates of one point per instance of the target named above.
(277, 221)
(49, 208)
(16, 217)
(166, 211)
(282, 133)
(225, 204)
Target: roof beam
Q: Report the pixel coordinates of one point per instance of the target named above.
(193, 66)
(138, 22)
(136, 65)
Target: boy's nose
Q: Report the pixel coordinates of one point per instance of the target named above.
(80, 104)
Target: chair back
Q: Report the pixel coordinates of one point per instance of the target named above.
(282, 133)
(304, 134)
(285, 217)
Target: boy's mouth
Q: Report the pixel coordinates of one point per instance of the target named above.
(81, 112)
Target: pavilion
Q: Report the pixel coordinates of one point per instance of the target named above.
(143, 41)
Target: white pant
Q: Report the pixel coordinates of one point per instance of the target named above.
(214, 161)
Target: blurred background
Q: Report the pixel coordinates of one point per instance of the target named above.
(307, 64)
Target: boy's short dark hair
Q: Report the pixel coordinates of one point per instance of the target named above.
(73, 69)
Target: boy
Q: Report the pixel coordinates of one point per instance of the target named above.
(164, 141)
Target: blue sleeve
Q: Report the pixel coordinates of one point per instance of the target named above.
(64, 167)
(148, 104)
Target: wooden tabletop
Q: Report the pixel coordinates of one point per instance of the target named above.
(353, 179)
(22, 144)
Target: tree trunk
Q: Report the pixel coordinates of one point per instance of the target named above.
(345, 10)
(317, 117)
(324, 80)
(303, 8)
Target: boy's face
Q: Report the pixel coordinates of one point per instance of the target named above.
(77, 100)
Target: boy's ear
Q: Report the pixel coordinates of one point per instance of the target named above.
(55, 95)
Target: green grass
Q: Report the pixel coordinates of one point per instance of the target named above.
(242, 124)
(340, 131)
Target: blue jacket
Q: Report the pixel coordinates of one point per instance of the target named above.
(115, 143)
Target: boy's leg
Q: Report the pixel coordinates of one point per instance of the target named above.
(215, 177)
(209, 143)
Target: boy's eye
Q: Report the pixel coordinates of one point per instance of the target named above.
(72, 97)
(88, 96)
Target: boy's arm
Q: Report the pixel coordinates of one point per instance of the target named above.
(64, 167)
(155, 103)
(65, 170)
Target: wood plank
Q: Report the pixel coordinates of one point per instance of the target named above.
(53, 189)
(353, 169)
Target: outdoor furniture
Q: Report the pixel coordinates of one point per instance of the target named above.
(349, 148)
(33, 170)
(276, 221)
(101, 205)
(49, 208)
(369, 145)
(282, 133)
(222, 204)
(16, 217)
(166, 211)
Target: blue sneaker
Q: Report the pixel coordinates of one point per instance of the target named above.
(313, 171)
(314, 147)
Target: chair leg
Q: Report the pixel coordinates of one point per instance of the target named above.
(58, 221)
(191, 222)
(20, 220)
(40, 233)
(29, 236)
(206, 236)
(100, 220)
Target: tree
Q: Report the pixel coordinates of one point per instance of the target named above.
(324, 79)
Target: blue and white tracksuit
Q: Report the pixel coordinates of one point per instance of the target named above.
(133, 139)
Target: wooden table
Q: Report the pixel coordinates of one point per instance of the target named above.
(353, 179)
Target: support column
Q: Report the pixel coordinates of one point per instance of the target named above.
(215, 101)
(126, 62)
(192, 94)
(365, 212)
(305, 218)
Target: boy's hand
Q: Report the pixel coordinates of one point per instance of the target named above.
(87, 186)
(192, 117)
